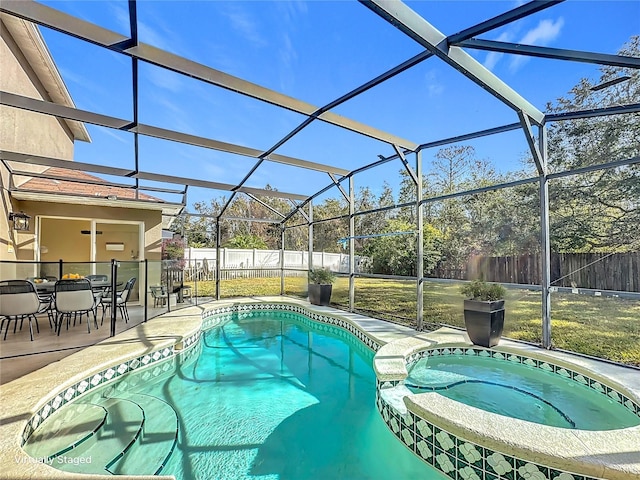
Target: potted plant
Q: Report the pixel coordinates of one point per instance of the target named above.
(320, 285)
(484, 312)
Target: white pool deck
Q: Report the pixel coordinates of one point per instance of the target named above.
(617, 458)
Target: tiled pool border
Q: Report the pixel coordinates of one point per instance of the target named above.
(210, 319)
(461, 459)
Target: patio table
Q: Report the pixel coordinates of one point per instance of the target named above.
(45, 287)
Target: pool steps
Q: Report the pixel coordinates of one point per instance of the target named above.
(124, 417)
(66, 429)
(151, 451)
(147, 434)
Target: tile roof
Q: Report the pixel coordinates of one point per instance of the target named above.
(77, 188)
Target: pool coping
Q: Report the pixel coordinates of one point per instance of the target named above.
(22, 398)
(609, 454)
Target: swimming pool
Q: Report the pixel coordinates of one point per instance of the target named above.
(263, 395)
(519, 390)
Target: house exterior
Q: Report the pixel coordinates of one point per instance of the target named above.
(75, 216)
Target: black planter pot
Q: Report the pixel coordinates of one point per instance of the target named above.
(484, 322)
(320, 294)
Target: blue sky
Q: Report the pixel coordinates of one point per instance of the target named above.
(317, 51)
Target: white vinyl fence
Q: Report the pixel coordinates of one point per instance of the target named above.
(200, 263)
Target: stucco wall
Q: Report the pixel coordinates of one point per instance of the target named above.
(21, 130)
(25, 132)
(152, 224)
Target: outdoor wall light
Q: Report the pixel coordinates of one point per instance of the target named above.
(20, 221)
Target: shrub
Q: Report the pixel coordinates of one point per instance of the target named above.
(482, 291)
(322, 276)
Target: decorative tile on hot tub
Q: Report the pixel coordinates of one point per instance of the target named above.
(466, 472)
(499, 464)
(394, 424)
(445, 463)
(444, 441)
(558, 475)
(470, 453)
(424, 429)
(531, 471)
(408, 438)
(490, 476)
(407, 422)
(425, 451)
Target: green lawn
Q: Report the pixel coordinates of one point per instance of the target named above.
(599, 326)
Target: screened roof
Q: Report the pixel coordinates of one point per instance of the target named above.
(190, 100)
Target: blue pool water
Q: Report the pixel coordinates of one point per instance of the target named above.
(267, 398)
(519, 391)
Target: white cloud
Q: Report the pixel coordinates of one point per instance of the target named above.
(287, 51)
(241, 21)
(163, 78)
(546, 32)
(494, 57)
(434, 86)
(121, 15)
(119, 136)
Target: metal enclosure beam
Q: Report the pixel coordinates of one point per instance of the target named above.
(419, 246)
(282, 232)
(264, 204)
(409, 22)
(218, 243)
(503, 19)
(310, 222)
(352, 245)
(337, 184)
(407, 167)
(553, 53)
(535, 151)
(84, 30)
(545, 242)
(62, 111)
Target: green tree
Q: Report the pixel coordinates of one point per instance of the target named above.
(244, 240)
(394, 252)
(597, 211)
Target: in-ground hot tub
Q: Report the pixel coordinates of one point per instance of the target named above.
(521, 388)
(476, 440)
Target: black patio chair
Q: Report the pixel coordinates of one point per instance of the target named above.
(74, 297)
(18, 299)
(122, 297)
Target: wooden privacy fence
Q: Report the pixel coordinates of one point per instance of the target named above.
(598, 271)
